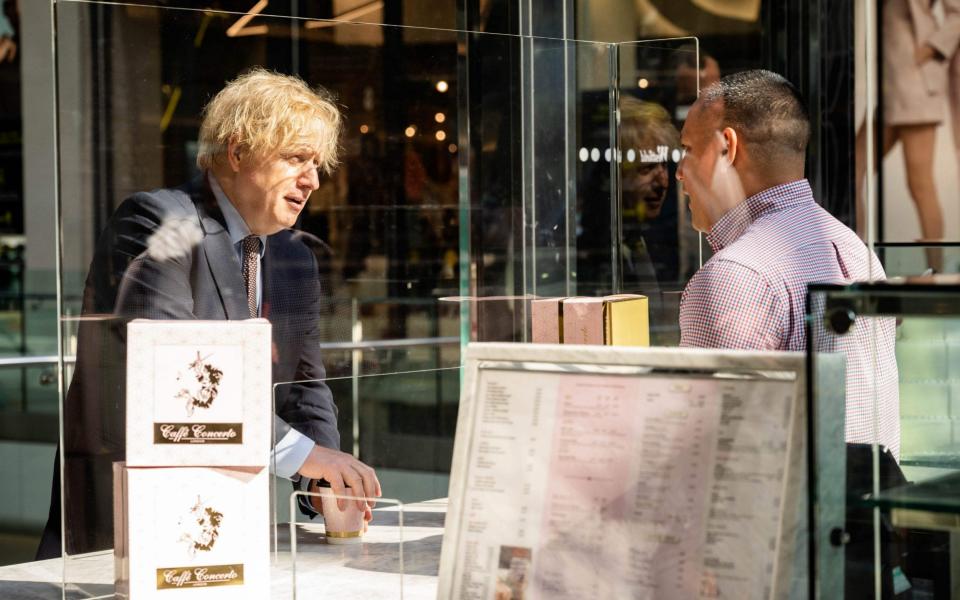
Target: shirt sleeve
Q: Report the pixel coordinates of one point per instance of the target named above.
(290, 453)
(729, 305)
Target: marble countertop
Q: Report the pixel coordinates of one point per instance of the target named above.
(392, 562)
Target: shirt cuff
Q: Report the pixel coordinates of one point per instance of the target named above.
(290, 453)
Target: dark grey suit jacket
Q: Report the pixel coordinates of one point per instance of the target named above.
(205, 282)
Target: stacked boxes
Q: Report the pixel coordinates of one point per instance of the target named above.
(191, 503)
(619, 320)
(547, 320)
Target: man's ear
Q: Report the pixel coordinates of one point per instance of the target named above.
(731, 144)
(234, 155)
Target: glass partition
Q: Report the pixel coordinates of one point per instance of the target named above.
(381, 235)
(475, 167)
(560, 221)
(885, 508)
(400, 423)
(379, 549)
(659, 249)
(501, 209)
(536, 107)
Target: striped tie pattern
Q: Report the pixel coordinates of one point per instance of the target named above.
(251, 255)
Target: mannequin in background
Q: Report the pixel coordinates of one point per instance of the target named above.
(915, 53)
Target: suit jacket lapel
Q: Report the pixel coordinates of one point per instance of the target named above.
(221, 257)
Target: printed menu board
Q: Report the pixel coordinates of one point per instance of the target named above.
(657, 483)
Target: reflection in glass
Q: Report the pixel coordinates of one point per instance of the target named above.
(650, 141)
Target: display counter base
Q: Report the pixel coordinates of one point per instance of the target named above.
(323, 566)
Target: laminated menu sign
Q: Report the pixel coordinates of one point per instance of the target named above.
(191, 532)
(622, 485)
(198, 392)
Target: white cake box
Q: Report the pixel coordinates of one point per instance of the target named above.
(199, 393)
(191, 532)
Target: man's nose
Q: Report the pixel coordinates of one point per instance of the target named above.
(661, 175)
(310, 178)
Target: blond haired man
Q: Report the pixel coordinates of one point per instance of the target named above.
(647, 130)
(220, 247)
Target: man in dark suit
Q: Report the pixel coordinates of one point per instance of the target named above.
(218, 248)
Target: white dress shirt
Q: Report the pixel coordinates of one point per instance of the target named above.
(291, 451)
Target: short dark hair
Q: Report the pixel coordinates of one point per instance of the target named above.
(766, 110)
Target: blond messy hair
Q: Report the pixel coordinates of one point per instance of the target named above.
(646, 123)
(264, 112)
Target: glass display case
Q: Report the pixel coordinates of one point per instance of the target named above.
(887, 511)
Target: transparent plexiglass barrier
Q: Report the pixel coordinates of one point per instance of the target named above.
(446, 156)
(885, 500)
(401, 424)
(595, 188)
(656, 83)
(327, 559)
(382, 418)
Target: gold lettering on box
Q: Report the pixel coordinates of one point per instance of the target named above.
(198, 433)
(193, 577)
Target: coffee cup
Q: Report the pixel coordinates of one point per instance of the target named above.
(342, 526)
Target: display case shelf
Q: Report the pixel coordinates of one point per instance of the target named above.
(939, 495)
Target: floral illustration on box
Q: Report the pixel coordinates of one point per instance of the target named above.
(202, 384)
(202, 525)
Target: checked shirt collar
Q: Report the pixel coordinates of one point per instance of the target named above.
(780, 197)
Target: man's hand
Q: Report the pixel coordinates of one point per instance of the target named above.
(341, 470)
(8, 49)
(317, 503)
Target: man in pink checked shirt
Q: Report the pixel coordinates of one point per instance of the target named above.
(744, 145)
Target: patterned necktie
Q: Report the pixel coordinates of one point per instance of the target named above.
(251, 255)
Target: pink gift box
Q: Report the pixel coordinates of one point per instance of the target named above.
(547, 320)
